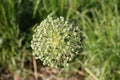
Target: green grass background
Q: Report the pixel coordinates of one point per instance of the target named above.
(99, 20)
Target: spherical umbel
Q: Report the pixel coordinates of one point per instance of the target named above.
(56, 42)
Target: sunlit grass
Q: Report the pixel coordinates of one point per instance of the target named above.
(99, 20)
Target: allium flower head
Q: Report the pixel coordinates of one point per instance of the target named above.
(56, 42)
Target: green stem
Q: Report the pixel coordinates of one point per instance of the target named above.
(89, 72)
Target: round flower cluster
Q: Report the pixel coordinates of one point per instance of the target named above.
(56, 42)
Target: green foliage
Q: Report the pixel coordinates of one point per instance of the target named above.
(98, 19)
(57, 42)
(9, 33)
(12, 50)
(102, 33)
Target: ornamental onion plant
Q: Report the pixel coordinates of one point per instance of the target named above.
(57, 42)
